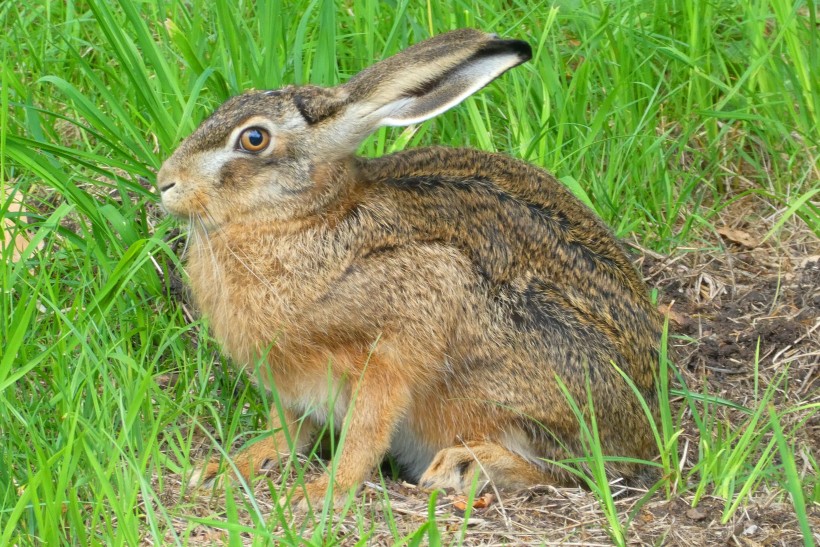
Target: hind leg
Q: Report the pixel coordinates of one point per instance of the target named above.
(457, 466)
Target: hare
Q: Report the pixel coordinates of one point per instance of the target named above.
(435, 300)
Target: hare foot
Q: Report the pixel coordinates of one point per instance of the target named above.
(457, 467)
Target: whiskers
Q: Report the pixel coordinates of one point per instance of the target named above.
(188, 235)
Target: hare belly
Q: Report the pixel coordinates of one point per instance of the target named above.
(412, 451)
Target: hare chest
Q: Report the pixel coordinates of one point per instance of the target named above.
(251, 294)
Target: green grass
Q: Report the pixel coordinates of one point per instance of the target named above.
(658, 114)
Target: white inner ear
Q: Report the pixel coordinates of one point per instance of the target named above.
(453, 89)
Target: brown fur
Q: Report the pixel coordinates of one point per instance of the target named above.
(444, 290)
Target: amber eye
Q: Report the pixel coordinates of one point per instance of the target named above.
(254, 139)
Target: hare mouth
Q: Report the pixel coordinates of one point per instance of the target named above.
(194, 212)
(191, 206)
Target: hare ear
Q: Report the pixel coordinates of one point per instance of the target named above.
(429, 78)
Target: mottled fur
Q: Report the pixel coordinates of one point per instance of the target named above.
(445, 289)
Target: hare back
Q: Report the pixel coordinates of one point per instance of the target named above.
(539, 250)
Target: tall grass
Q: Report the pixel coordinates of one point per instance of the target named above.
(657, 114)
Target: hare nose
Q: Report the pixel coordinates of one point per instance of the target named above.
(167, 187)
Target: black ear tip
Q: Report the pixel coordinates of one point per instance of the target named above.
(504, 47)
(522, 48)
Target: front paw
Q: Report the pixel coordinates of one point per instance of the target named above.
(240, 468)
(313, 495)
(206, 476)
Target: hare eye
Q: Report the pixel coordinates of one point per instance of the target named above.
(254, 139)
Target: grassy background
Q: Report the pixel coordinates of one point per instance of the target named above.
(658, 114)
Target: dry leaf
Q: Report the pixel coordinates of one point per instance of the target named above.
(696, 514)
(12, 235)
(460, 502)
(677, 318)
(484, 501)
(740, 237)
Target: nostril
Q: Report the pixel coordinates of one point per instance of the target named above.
(167, 187)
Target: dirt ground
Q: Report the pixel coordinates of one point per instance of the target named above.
(735, 300)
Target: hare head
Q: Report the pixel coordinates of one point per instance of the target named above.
(280, 154)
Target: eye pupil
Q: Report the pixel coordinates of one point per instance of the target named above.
(254, 139)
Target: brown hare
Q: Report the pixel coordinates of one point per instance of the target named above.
(432, 297)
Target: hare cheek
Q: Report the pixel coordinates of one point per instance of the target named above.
(209, 165)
